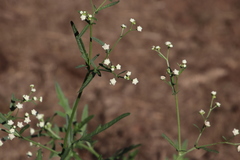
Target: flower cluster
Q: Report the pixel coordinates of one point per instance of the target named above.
(14, 125)
(112, 67)
(85, 16)
(133, 22)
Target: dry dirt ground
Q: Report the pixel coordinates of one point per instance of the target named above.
(37, 46)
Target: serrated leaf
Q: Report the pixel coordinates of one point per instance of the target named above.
(169, 141)
(108, 5)
(63, 101)
(87, 137)
(83, 123)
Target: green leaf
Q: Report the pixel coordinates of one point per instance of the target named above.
(80, 42)
(63, 101)
(120, 153)
(39, 155)
(83, 124)
(89, 78)
(3, 119)
(24, 128)
(208, 149)
(80, 66)
(98, 41)
(84, 116)
(70, 135)
(108, 5)
(170, 141)
(61, 114)
(87, 137)
(197, 127)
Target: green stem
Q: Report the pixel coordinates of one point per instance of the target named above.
(39, 144)
(90, 44)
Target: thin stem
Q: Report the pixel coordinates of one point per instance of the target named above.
(39, 144)
(90, 44)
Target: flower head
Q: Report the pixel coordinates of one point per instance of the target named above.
(132, 21)
(27, 120)
(176, 72)
(235, 131)
(169, 44)
(207, 123)
(118, 66)
(218, 104)
(40, 99)
(213, 93)
(29, 154)
(238, 148)
(19, 105)
(123, 26)
(105, 46)
(20, 124)
(32, 131)
(1, 143)
(11, 136)
(26, 97)
(135, 81)
(163, 78)
(10, 122)
(113, 81)
(107, 61)
(139, 29)
(202, 112)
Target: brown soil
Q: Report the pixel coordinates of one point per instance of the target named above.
(37, 46)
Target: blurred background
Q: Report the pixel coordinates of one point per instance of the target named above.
(37, 46)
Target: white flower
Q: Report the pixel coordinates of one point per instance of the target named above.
(113, 81)
(105, 46)
(10, 122)
(118, 67)
(40, 99)
(112, 68)
(238, 148)
(107, 61)
(135, 81)
(1, 143)
(20, 124)
(128, 73)
(35, 98)
(213, 93)
(29, 154)
(207, 123)
(169, 44)
(26, 114)
(176, 72)
(40, 116)
(139, 29)
(33, 90)
(83, 17)
(202, 112)
(34, 112)
(27, 120)
(31, 85)
(218, 104)
(235, 131)
(123, 26)
(12, 130)
(40, 124)
(32, 131)
(26, 97)
(163, 78)
(11, 136)
(19, 105)
(132, 21)
(184, 61)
